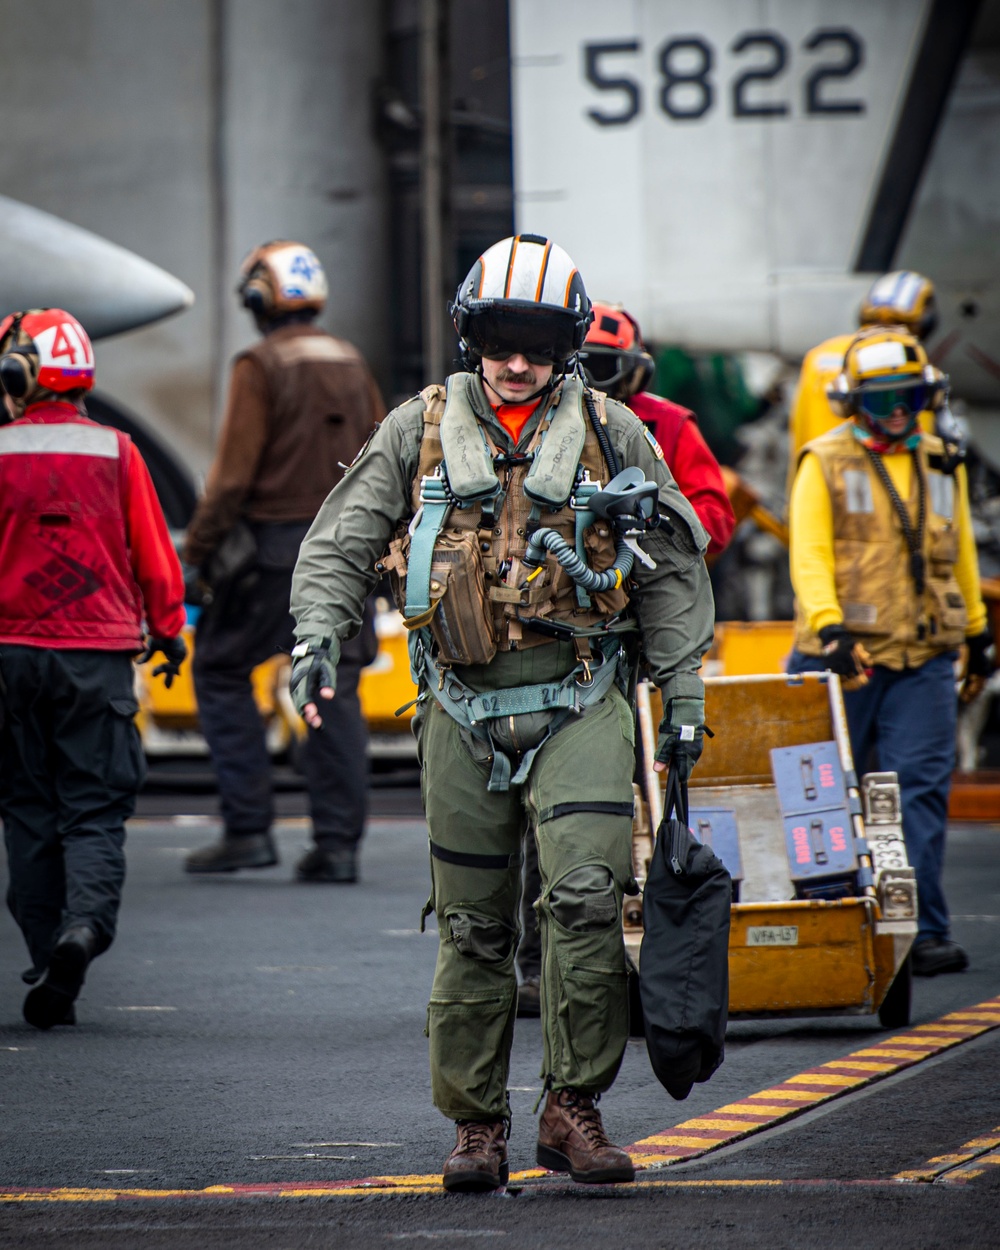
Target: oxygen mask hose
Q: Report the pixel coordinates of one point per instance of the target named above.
(628, 505)
(550, 540)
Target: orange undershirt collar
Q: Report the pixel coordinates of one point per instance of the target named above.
(514, 417)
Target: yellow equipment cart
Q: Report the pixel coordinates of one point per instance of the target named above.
(168, 719)
(791, 955)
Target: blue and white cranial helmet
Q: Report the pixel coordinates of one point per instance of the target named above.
(281, 277)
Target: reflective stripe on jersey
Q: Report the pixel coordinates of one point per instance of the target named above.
(63, 440)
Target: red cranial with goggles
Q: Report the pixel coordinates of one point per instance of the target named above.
(44, 349)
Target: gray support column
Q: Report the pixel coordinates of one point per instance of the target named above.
(301, 158)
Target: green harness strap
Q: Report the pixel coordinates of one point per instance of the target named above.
(435, 504)
(548, 697)
(472, 710)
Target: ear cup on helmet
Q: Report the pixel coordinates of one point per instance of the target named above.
(581, 328)
(841, 397)
(928, 322)
(257, 296)
(18, 374)
(938, 385)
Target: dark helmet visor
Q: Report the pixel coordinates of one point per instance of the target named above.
(545, 337)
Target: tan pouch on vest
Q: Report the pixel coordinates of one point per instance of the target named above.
(463, 623)
(946, 608)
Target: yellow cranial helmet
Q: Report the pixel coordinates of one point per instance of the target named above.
(901, 298)
(885, 371)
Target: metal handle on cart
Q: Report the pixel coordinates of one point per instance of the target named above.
(647, 733)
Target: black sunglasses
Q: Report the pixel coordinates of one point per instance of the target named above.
(533, 358)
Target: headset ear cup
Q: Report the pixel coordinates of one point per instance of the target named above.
(648, 368)
(257, 297)
(938, 386)
(928, 322)
(17, 374)
(841, 397)
(582, 326)
(460, 320)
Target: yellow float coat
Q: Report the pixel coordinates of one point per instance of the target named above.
(814, 539)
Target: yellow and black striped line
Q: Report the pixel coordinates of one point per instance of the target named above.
(975, 1158)
(684, 1141)
(814, 1086)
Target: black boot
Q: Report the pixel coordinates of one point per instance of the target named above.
(338, 867)
(932, 956)
(51, 1000)
(232, 851)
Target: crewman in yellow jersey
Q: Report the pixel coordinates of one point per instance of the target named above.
(884, 567)
(903, 298)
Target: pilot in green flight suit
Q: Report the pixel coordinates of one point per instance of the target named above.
(537, 542)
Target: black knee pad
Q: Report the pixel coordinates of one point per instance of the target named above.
(479, 937)
(585, 900)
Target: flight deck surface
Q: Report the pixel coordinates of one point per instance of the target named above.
(250, 1066)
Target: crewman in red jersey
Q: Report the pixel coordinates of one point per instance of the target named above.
(616, 362)
(87, 568)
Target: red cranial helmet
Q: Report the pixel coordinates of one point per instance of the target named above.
(613, 357)
(44, 349)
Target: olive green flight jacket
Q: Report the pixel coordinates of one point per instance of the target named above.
(673, 603)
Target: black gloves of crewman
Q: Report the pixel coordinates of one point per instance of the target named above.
(313, 669)
(979, 666)
(174, 651)
(843, 654)
(682, 735)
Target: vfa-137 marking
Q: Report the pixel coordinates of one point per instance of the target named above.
(736, 172)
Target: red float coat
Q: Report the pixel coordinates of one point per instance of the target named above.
(689, 459)
(84, 549)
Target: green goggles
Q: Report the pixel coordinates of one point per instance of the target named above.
(881, 401)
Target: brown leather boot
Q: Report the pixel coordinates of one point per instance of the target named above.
(571, 1138)
(479, 1160)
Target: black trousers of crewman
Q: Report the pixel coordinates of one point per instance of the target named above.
(71, 765)
(249, 622)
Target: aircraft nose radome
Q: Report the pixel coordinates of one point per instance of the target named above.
(48, 262)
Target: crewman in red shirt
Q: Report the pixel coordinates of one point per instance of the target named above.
(86, 564)
(616, 362)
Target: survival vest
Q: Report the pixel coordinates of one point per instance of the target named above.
(872, 567)
(458, 566)
(320, 409)
(66, 580)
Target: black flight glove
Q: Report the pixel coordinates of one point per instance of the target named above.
(979, 665)
(174, 650)
(313, 669)
(843, 654)
(682, 735)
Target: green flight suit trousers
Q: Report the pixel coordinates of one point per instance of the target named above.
(578, 800)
